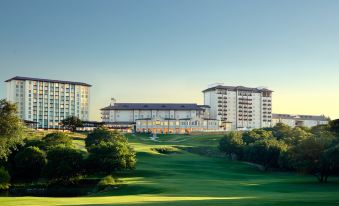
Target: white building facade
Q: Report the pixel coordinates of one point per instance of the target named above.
(48, 102)
(299, 120)
(240, 108)
(160, 118)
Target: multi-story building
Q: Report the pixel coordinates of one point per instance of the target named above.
(239, 107)
(47, 102)
(160, 118)
(299, 120)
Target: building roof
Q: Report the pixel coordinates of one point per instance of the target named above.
(152, 106)
(237, 88)
(300, 117)
(47, 80)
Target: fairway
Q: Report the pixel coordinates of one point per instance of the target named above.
(185, 178)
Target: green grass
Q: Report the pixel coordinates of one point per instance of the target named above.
(191, 179)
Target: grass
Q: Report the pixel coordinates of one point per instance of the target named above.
(189, 178)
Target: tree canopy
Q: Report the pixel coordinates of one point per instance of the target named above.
(11, 129)
(71, 123)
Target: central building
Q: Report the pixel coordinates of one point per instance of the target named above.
(173, 118)
(238, 107)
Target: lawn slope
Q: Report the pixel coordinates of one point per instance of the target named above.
(186, 178)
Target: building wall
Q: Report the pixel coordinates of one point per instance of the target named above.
(47, 102)
(292, 122)
(133, 115)
(240, 108)
(161, 126)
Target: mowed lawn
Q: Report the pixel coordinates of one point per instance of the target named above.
(190, 179)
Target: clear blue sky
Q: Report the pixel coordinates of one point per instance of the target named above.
(169, 50)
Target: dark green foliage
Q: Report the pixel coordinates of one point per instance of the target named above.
(72, 123)
(255, 135)
(296, 135)
(107, 181)
(166, 150)
(107, 157)
(265, 152)
(334, 126)
(57, 138)
(29, 163)
(11, 129)
(309, 156)
(4, 179)
(102, 134)
(281, 131)
(64, 164)
(232, 144)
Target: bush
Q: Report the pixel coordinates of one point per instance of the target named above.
(166, 150)
(64, 164)
(29, 163)
(102, 134)
(107, 181)
(57, 138)
(107, 157)
(4, 179)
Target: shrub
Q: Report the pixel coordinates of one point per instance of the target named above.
(64, 164)
(4, 179)
(29, 163)
(107, 181)
(166, 150)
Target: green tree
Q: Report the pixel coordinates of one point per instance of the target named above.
(57, 138)
(103, 134)
(107, 157)
(232, 144)
(64, 164)
(255, 135)
(71, 123)
(309, 156)
(265, 152)
(5, 179)
(29, 163)
(296, 135)
(11, 129)
(281, 131)
(334, 126)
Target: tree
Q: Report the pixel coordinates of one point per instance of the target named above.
(296, 135)
(334, 126)
(4, 179)
(108, 157)
(232, 144)
(29, 163)
(309, 156)
(265, 152)
(281, 131)
(102, 134)
(64, 164)
(57, 138)
(11, 129)
(256, 134)
(71, 122)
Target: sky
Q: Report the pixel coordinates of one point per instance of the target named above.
(170, 50)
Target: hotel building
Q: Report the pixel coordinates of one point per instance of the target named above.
(239, 108)
(299, 120)
(159, 117)
(48, 102)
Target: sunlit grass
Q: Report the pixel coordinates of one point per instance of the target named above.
(190, 179)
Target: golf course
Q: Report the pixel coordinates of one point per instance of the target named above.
(195, 173)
